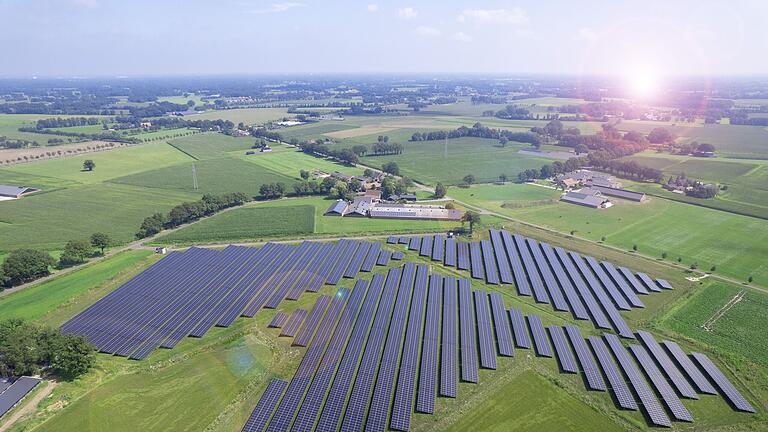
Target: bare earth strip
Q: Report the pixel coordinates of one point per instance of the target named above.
(11, 156)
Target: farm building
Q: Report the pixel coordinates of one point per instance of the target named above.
(338, 208)
(584, 177)
(14, 192)
(404, 197)
(587, 197)
(620, 193)
(370, 207)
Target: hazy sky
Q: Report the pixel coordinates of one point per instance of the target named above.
(162, 37)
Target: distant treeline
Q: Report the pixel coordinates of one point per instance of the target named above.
(66, 122)
(189, 212)
(604, 160)
(479, 131)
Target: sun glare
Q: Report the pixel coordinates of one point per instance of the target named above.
(642, 83)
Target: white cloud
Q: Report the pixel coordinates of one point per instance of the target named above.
(461, 36)
(407, 13)
(428, 31)
(588, 34)
(277, 7)
(505, 16)
(373, 8)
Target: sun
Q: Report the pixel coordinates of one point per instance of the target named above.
(642, 82)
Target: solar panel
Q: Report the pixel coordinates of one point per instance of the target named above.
(384, 257)
(633, 281)
(558, 301)
(305, 419)
(425, 398)
(467, 332)
(652, 406)
(357, 260)
(598, 317)
(392, 240)
(501, 325)
(628, 292)
(397, 256)
(607, 283)
(462, 262)
(294, 322)
(678, 410)
(648, 282)
(426, 246)
(371, 257)
(669, 368)
(448, 378)
(414, 243)
(309, 278)
(664, 284)
(686, 365)
(521, 281)
(476, 261)
(562, 350)
(589, 368)
(310, 324)
(382, 391)
(404, 240)
(618, 385)
(278, 320)
(540, 342)
(342, 381)
(484, 331)
(409, 362)
(450, 252)
(519, 329)
(16, 392)
(489, 262)
(505, 271)
(539, 292)
(576, 304)
(438, 248)
(729, 391)
(288, 406)
(340, 265)
(281, 284)
(366, 373)
(266, 406)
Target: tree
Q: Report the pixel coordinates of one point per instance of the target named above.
(634, 247)
(72, 356)
(391, 168)
(450, 206)
(440, 190)
(660, 135)
(472, 218)
(663, 255)
(22, 265)
(581, 149)
(602, 239)
(101, 241)
(503, 178)
(750, 279)
(360, 150)
(75, 252)
(89, 165)
(503, 141)
(713, 268)
(152, 225)
(469, 179)
(304, 174)
(369, 173)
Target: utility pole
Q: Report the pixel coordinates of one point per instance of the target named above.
(194, 177)
(445, 148)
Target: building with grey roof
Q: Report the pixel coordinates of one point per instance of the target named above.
(621, 193)
(15, 192)
(589, 199)
(338, 208)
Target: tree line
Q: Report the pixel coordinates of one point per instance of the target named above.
(479, 131)
(189, 212)
(59, 122)
(604, 160)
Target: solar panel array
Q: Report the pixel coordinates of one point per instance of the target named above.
(266, 406)
(590, 370)
(540, 341)
(670, 370)
(686, 365)
(484, 331)
(14, 393)
(562, 350)
(448, 352)
(467, 333)
(729, 391)
(278, 320)
(427, 388)
(678, 410)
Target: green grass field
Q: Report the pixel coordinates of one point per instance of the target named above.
(251, 223)
(10, 124)
(248, 116)
(211, 145)
(732, 140)
(289, 162)
(694, 233)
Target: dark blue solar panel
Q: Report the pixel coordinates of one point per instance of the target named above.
(633, 281)
(371, 257)
(425, 398)
(392, 240)
(539, 292)
(403, 240)
(414, 243)
(282, 282)
(669, 368)
(305, 419)
(382, 391)
(607, 284)
(328, 266)
(505, 271)
(448, 378)
(266, 406)
(576, 305)
(476, 261)
(521, 280)
(652, 406)
(16, 392)
(618, 385)
(729, 391)
(519, 329)
(489, 262)
(366, 374)
(426, 246)
(310, 273)
(294, 322)
(663, 283)
(450, 252)
(540, 341)
(337, 397)
(462, 262)
(678, 410)
(501, 325)
(484, 331)
(345, 261)
(686, 365)
(467, 332)
(406, 381)
(558, 301)
(384, 257)
(278, 320)
(598, 317)
(438, 248)
(397, 256)
(562, 350)
(648, 282)
(618, 279)
(311, 323)
(589, 368)
(357, 260)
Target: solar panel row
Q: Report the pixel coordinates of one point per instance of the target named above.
(576, 304)
(476, 261)
(343, 261)
(450, 252)
(501, 325)
(311, 322)
(278, 320)
(633, 281)
(266, 406)
(558, 301)
(678, 410)
(294, 322)
(562, 350)
(539, 292)
(648, 282)
(729, 391)
(357, 260)
(16, 392)
(686, 365)
(605, 283)
(540, 341)
(392, 239)
(619, 387)
(519, 329)
(489, 262)
(669, 368)
(426, 246)
(467, 333)
(590, 370)
(425, 398)
(371, 257)
(414, 243)
(484, 331)
(624, 287)
(384, 257)
(448, 377)
(521, 282)
(397, 256)
(462, 262)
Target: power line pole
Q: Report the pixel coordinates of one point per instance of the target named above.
(445, 148)
(194, 177)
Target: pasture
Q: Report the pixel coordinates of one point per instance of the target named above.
(211, 145)
(10, 124)
(249, 116)
(289, 162)
(743, 142)
(247, 224)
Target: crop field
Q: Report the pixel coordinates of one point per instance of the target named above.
(211, 145)
(289, 162)
(248, 116)
(251, 223)
(10, 124)
(748, 142)
(181, 100)
(214, 176)
(313, 130)
(693, 233)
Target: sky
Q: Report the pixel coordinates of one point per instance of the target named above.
(90, 38)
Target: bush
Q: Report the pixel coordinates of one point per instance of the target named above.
(23, 265)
